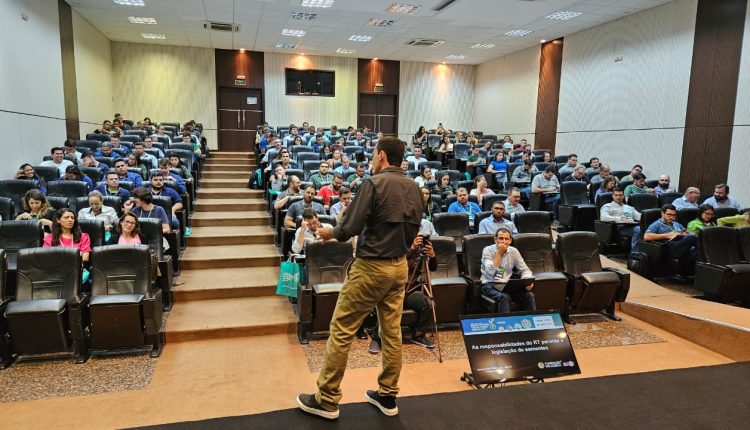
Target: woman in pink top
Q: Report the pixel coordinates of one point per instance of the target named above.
(128, 232)
(67, 233)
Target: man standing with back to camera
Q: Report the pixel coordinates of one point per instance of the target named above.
(387, 212)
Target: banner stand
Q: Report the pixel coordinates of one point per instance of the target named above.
(516, 347)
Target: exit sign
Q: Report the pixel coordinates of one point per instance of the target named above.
(378, 88)
(239, 82)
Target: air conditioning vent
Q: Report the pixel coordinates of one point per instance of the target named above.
(425, 42)
(221, 26)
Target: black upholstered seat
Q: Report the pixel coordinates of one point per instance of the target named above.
(534, 222)
(455, 225)
(642, 201)
(7, 209)
(576, 211)
(47, 314)
(68, 189)
(550, 283)
(15, 189)
(448, 287)
(125, 310)
(473, 245)
(721, 272)
(151, 230)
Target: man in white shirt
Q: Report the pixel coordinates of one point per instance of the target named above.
(416, 157)
(58, 160)
(492, 223)
(307, 231)
(625, 216)
(689, 200)
(513, 203)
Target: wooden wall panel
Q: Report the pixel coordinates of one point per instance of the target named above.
(230, 63)
(385, 72)
(70, 92)
(548, 99)
(717, 49)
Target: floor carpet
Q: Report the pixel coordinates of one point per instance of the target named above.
(699, 398)
(590, 331)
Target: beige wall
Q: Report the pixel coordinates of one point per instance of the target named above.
(506, 93)
(283, 110)
(631, 111)
(740, 154)
(166, 83)
(94, 75)
(31, 84)
(431, 93)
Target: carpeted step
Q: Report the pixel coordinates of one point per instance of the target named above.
(208, 219)
(230, 235)
(226, 283)
(229, 193)
(232, 154)
(221, 256)
(231, 205)
(229, 168)
(224, 183)
(239, 176)
(222, 318)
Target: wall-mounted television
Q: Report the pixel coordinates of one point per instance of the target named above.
(310, 82)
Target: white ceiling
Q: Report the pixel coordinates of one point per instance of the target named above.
(461, 25)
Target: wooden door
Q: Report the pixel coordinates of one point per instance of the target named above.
(240, 113)
(379, 112)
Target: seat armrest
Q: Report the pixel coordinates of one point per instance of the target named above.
(605, 230)
(304, 303)
(78, 317)
(152, 312)
(710, 277)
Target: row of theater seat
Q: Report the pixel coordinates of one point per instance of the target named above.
(569, 278)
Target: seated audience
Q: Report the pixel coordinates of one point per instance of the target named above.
(90, 161)
(115, 140)
(704, 219)
(112, 188)
(681, 244)
(67, 233)
(148, 143)
(345, 169)
(722, 199)
(638, 186)
(464, 206)
(69, 148)
(146, 159)
(36, 207)
(499, 262)
(664, 185)
(594, 166)
(106, 151)
(291, 191)
(631, 177)
(169, 176)
(97, 210)
(578, 175)
(278, 179)
(127, 232)
(308, 230)
(331, 190)
(513, 204)
(604, 171)
(345, 197)
(548, 185)
(445, 145)
(481, 189)
(157, 188)
(625, 216)
(416, 157)
(176, 163)
(121, 168)
(135, 162)
(499, 167)
(736, 221)
(475, 159)
(321, 176)
(58, 160)
(354, 181)
(688, 200)
(27, 172)
(142, 206)
(492, 223)
(607, 186)
(569, 167)
(425, 176)
(430, 207)
(296, 208)
(521, 177)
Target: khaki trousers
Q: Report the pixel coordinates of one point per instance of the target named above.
(370, 283)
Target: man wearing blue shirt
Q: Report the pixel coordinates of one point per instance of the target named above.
(172, 177)
(158, 189)
(122, 171)
(689, 200)
(462, 205)
(112, 187)
(490, 224)
(681, 244)
(722, 199)
(106, 151)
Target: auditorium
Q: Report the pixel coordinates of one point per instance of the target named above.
(375, 214)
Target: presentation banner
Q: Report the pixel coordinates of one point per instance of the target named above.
(517, 346)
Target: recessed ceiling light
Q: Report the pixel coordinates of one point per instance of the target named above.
(564, 15)
(317, 3)
(518, 33)
(295, 33)
(381, 22)
(402, 9)
(141, 20)
(346, 51)
(286, 45)
(242, 49)
(360, 38)
(455, 57)
(304, 16)
(544, 40)
(130, 2)
(442, 62)
(483, 46)
(153, 36)
(375, 59)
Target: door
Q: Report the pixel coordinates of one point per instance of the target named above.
(379, 112)
(240, 113)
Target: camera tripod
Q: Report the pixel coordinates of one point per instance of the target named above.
(421, 276)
